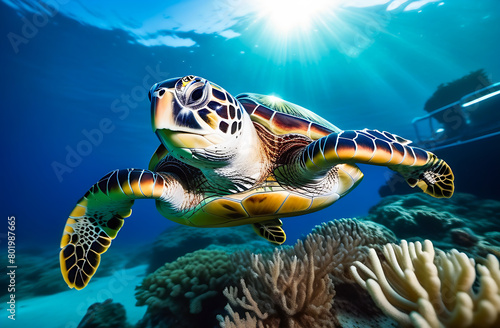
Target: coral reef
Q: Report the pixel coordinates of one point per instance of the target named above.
(341, 242)
(188, 289)
(105, 315)
(419, 289)
(465, 222)
(180, 240)
(322, 281)
(293, 287)
(286, 292)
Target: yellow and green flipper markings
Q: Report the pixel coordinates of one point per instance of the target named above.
(419, 167)
(435, 179)
(271, 230)
(97, 218)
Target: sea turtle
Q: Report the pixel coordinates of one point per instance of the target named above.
(226, 161)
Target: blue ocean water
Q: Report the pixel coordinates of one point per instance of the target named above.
(69, 68)
(75, 77)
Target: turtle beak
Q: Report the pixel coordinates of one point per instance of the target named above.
(162, 102)
(173, 130)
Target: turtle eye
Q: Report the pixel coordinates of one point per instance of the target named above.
(196, 94)
(193, 92)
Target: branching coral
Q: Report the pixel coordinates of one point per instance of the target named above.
(337, 244)
(233, 320)
(419, 289)
(288, 292)
(293, 287)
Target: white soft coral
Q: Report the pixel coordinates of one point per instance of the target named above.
(418, 288)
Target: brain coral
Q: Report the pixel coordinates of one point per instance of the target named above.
(188, 288)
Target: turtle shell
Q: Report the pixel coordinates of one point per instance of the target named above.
(283, 117)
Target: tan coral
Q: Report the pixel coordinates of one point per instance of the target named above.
(233, 320)
(417, 288)
(293, 286)
(337, 244)
(289, 293)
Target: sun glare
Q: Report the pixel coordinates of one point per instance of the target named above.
(296, 29)
(275, 100)
(288, 15)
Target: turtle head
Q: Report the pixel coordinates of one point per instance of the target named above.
(197, 120)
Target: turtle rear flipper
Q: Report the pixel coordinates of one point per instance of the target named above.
(270, 230)
(98, 216)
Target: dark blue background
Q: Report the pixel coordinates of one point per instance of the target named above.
(70, 77)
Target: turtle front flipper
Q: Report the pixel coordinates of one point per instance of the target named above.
(270, 230)
(98, 216)
(419, 167)
(435, 178)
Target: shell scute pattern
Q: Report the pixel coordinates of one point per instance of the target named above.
(295, 203)
(270, 201)
(264, 203)
(248, 105)
(226, 208)
(280, 122)
(317, 131)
